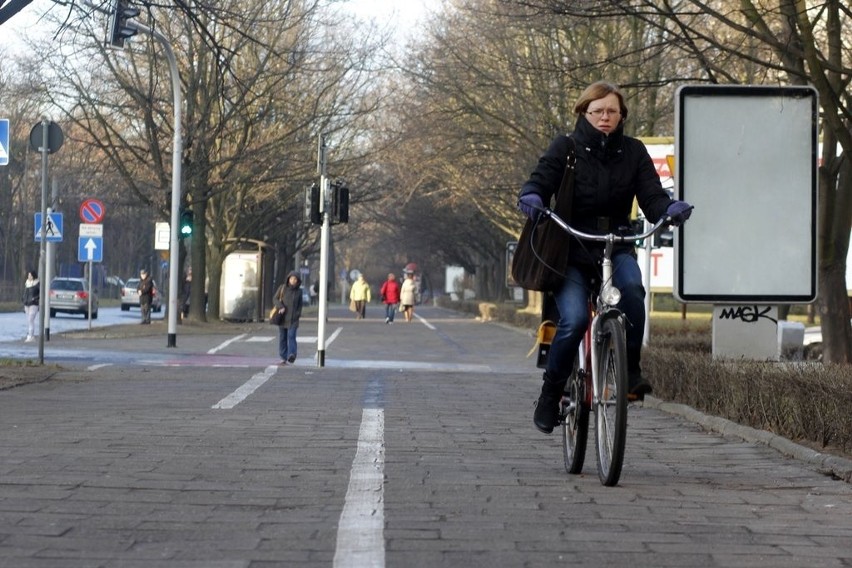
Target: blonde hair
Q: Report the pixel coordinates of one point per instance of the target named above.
(596, 91)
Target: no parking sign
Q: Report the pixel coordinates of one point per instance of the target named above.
(92, 211)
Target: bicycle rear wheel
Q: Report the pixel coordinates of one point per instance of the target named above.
(611, 408)
(575, 422)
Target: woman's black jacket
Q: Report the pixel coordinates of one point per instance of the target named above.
(611, 170)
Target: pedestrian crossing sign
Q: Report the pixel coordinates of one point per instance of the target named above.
(4, 141)
(52, 229)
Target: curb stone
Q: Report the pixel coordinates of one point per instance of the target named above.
(836, 466)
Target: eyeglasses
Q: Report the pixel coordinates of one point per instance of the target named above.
(599, 112)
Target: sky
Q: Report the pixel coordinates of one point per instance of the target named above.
(405, 12)
(400, 15)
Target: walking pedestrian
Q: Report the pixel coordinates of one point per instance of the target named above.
(360, 296)
(288, 298)
(32, 295)
(408, 296)
(146, 295)
(187, 292)
(390, 297)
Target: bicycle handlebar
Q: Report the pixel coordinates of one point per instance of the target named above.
(608, 237)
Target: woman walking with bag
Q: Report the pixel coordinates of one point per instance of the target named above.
(611, 169)
(360, 296)
(408, 296)
(289, 299)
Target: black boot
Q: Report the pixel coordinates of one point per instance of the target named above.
(637, 385)
(547, 408)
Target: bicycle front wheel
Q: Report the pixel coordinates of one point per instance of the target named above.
(575, 422)
(611, 407)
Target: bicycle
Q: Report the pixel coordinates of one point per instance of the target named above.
(599, 380)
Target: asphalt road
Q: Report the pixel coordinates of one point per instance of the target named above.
(412, 446)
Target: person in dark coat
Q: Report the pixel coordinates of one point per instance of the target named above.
(146, 295)
(288, 297)
(611, 170)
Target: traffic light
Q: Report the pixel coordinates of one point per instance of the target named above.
(338, 206)
(119, 29)
(637, 226)
(312, 205)
(339, 202)
(186, 219)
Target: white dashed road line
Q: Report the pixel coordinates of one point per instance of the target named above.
(360, 531)
(246, 389)
(225, 344)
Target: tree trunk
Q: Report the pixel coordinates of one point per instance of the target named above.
(834, 315)
(199, 294)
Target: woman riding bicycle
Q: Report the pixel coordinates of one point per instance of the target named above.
(611, 170)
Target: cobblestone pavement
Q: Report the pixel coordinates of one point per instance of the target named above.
(412, 446)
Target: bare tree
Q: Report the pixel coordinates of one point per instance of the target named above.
(780, 41)
(482, 95)
(254, 108)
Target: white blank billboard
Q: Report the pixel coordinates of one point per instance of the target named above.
(746, 158)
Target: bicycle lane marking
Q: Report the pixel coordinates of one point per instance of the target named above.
(254, 383)
(245, 390)
(311, 339)
(360, 530)
(425, 322)
(225, 344)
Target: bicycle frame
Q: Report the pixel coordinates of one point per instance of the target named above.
(601, 365)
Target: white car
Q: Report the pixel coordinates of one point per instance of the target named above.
(71, 296)
(130, 296)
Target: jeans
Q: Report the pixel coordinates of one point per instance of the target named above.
(32, 315)
(390, 311)
(287, 341)
(572, 299)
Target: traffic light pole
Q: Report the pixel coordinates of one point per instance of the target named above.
(123, 27)
(177, 150)
(325, 234)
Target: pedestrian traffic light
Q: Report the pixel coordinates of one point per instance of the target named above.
(186, 219)
(120, 29)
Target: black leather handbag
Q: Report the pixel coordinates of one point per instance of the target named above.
(541, 257)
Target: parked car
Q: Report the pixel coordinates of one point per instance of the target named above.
(130, 296)
(71, 296)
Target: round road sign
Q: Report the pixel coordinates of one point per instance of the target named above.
(55, 138)
(92, 211)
